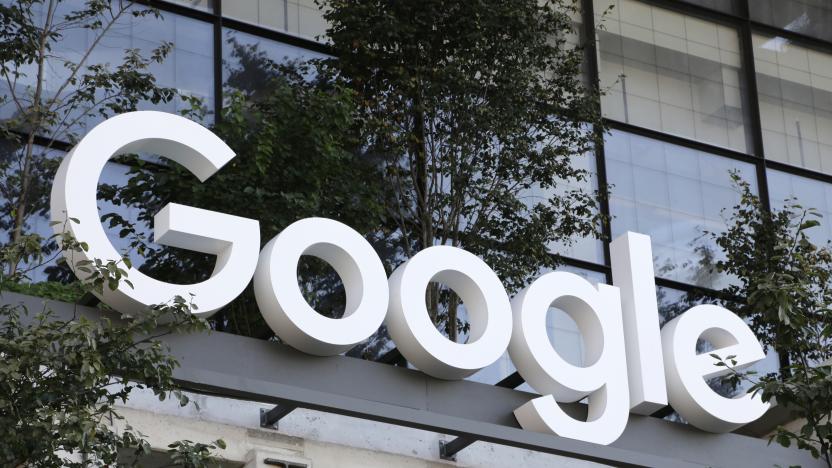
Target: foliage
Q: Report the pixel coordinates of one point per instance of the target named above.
(51, 92)
(62, 377)
(290, 132)
(478, 113)
(785, 280)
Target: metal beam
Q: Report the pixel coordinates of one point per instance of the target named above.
(448, 450)
(270, 418)
(511, 381)
(257, 370)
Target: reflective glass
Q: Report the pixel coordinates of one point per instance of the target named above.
(809, 193)
(299, 17)
(795, 89)
(188, 67)
(247, 58)
(39, 223)
(563, 333)
(809, 17)
(589, 248)
(725, 6)
(675, 195)
(207, 5)
(670, 72)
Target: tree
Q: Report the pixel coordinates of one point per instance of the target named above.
(290, 130)
(51, 92)
(477, 112)
(784, 279)
(61, 378)
(437, 123)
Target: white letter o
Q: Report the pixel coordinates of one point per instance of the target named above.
(281, 301)
(485, 299)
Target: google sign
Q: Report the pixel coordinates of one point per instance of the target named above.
(633, 365)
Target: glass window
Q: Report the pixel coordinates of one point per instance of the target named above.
(247, 58)
(809, 17)
(590, 249)
(39, 222)
(207, 5)
(673, 194)
(809, 193)
(563, 333)
(188, 67)
(299, 17)
(795, 88)
(725, 6)
(37, 219)
(674, 73)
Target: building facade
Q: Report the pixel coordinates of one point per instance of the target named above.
(694, 90)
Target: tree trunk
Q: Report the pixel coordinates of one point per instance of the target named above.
(34, 122)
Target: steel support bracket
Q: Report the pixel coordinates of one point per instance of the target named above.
(449, 449)
(270, 418)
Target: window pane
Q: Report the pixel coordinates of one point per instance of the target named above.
(562, 331)
(726, 6)
(246, 59)
(809, 17)
(795, 88)
(809, 193)
(38, 222)
(299, 17)
(673, 194)
(590, 248)
(207, 5)
(188, 66)
(674, 73)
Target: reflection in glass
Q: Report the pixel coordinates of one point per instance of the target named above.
(795, 89)
(809, 17)
(673, 73)
(588, 248)
(675, 195)
(206, 5)
(563, 333)
(808, 193)
(188, 67)
(248, 60)
(38, 222)
(725, 6)
(299, 17)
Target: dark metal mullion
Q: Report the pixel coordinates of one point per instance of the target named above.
(591, 59)
(750, 78)
(178, 9)
(802, 39)
(218, 61)
(762, 173)
(681, 141)
(698, 11)
(278, 36)
(753, 99)
(798, 171)
(45, 142)
(583, 264)
(719, 151)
